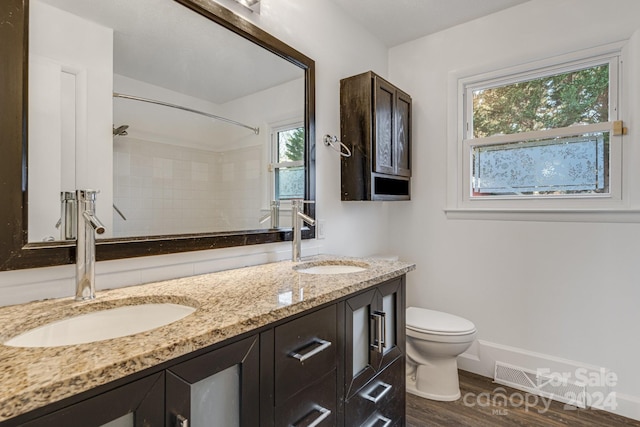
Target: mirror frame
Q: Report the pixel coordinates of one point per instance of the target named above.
(16, 252)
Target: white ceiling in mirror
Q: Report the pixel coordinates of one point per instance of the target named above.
(206, 61)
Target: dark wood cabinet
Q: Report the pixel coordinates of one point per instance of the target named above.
(375, 340)
(375, 123)
(381, 402)
(341, 364)
(139, 403)
(315, 405)
(305, 360)
(219, 388)
(305, 350)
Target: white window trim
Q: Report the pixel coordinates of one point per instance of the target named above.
(273, 155)
(608, 208)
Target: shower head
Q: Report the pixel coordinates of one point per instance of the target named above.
(120, 130)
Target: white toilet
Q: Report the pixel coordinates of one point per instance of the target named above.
(434, 341)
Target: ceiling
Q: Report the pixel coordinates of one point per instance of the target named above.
(149, 50)
(165, 44)
(398, 21)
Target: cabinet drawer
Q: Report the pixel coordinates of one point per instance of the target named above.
(305, 350)
(315, 404)
(381, 398)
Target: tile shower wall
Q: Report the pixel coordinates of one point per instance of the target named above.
(167, 189)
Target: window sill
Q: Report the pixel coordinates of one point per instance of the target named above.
(622, 215)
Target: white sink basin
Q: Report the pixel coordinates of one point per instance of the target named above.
(101, 325)
(330, 268)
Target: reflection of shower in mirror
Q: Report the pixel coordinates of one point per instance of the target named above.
(120, 130)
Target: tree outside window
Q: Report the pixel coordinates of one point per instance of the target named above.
(288, 166)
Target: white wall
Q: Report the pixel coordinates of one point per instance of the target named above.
(62, 44)
(565, 290)
(340, 49)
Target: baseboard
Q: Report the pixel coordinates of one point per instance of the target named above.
(482, 356)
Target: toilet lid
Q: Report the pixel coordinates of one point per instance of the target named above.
(422, 319)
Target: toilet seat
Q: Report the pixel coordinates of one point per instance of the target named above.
(434, 322)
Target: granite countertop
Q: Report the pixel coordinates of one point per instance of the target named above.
(228, 303)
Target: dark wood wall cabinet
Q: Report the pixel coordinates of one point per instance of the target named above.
(341, 364)
(375, 123)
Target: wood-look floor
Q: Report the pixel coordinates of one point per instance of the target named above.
(482, 407)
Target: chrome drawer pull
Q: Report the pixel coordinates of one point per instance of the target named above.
(374, 422)
(324, 413)
(323, 346)
(386, 387)
(383, 330)
(182, 421)
(378, 332)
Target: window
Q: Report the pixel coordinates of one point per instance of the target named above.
(541, 132)
(287, 152)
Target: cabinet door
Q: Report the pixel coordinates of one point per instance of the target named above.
(219, 388)
(359, 363)
(391, 304)
(375, 322)
(383, 125)
(403, 134)
(139, 404)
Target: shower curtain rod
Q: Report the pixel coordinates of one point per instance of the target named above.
(255, 130)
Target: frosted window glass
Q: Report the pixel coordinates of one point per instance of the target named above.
(573, 165)
(215, 400)
(124, 421)
(389, 308)
(360, 339)
(290, 183)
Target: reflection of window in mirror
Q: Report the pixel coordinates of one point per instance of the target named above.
(287, 161)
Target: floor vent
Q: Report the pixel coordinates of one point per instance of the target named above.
(556, 388)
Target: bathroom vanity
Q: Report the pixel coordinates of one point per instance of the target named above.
(267, 345)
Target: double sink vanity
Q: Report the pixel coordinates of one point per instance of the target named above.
(320, 341)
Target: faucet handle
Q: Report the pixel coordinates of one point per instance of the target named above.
(264, 218)
(296, 204)
(307, 219)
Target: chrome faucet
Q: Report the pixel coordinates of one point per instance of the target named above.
(297, 217)
(68, 211)
(88, 227)
(274, 214)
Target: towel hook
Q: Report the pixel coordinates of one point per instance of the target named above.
(331, 141)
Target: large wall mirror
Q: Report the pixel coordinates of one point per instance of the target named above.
(189, 120)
